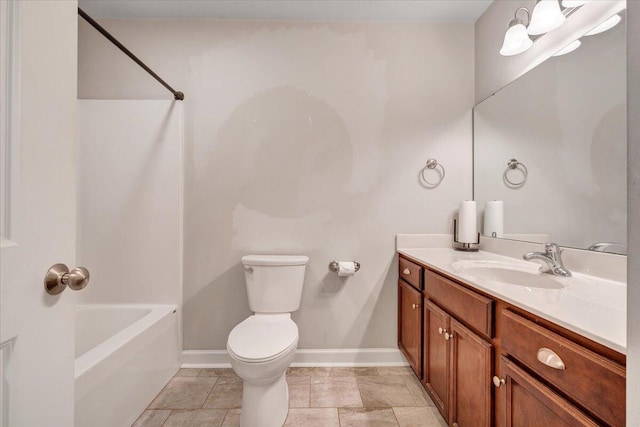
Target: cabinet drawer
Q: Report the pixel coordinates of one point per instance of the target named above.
(411, 273)
(527, 401)
(472, 308)
(593, 381)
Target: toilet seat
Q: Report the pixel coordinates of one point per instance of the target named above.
(262, 337)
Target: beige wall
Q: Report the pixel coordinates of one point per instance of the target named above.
(302, 138)
(633, 297)
(494, 71)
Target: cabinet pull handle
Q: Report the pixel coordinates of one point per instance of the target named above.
(406, 271)
(497, 381)
(550, 358)
(414, 306)
(441, 331)
(448, 336)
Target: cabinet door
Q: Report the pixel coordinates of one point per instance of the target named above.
(410, 325)
(527, 402)
(436, 356)
(470, 378)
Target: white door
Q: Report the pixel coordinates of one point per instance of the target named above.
(38, 41)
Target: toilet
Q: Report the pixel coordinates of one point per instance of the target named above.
(262, 346)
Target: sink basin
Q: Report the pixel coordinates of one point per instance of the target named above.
(518, 274)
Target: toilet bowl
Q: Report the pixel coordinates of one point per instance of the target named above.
(262, 346)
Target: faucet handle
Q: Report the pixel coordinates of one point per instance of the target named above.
(552, 248)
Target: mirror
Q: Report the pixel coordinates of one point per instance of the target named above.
(564, 124)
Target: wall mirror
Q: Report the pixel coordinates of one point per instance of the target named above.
(564, 124)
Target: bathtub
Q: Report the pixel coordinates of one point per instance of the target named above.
(125, 354)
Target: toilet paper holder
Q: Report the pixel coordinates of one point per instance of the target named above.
(333, 266)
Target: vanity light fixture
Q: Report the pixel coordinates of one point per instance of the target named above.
(574, 3)
(516, 39)
(546, 16)
(606, 25)
(569, 48)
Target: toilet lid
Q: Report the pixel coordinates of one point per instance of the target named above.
(262, 337)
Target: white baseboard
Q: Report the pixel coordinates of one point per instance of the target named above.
(352, 357)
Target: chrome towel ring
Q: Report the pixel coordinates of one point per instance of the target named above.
(433, 164)
(512, 165)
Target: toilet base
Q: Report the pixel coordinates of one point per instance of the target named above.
(265, 405)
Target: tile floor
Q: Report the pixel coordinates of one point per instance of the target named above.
(318, 397)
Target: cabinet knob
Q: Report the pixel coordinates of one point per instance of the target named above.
(448, 336)
(441, 331)
(414, 306)
(406, 271)
(550, 358)
(497, 381)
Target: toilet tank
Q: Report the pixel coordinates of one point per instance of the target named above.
(274, 282)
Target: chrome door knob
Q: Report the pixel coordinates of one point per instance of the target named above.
(58, 277)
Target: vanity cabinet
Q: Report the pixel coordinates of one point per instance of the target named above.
(410, 325)
(528, 402)
(470, 378)
(457, 361)
(410, 313)
(436, 356)
(591, 380)
(486, 362)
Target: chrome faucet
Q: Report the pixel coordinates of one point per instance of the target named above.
(604, 246)
(552, 256)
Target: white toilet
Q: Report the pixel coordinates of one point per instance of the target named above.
(262, 346)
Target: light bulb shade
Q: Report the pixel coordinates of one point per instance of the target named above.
(569, 48)
(606, 25)
(573, 3)
(546, 17)
(516, 40)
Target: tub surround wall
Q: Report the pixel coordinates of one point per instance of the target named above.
(493, 71)
(129, 201)
(633, 297)
(302, 138)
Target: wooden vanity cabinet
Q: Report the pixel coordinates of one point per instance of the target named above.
(457, 361)
(436, 356)
(470, 378)
(589, 379)
(410, 313)
(470, 341)
(410, 325)
(528, 402)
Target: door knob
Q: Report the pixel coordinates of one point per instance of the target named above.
(414, 306)
(497, 381)
(58, 277)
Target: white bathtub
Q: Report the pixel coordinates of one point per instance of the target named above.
(125, 354)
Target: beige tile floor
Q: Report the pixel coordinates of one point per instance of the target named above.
(318, 397)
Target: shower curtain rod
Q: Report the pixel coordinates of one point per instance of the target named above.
(177, 95)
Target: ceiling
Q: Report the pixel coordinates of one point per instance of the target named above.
(293, 10)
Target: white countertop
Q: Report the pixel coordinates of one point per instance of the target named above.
(590, 306)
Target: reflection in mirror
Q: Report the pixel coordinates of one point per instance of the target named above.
(564, 122)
